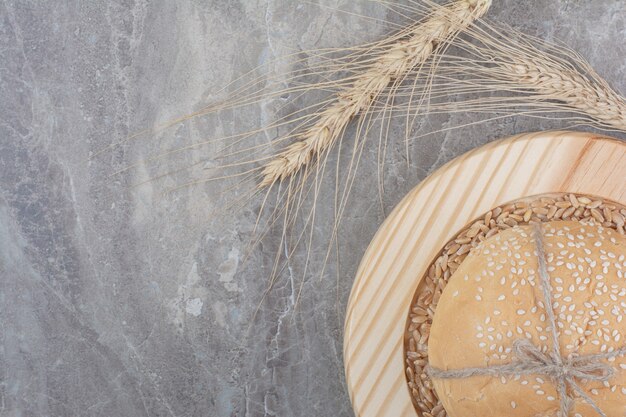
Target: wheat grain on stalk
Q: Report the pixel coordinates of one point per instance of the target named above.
(423, 69)
(403, 56)
(443, 59)
(595, 99)
(500, 72)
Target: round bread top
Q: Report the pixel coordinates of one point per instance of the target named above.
(495, 297)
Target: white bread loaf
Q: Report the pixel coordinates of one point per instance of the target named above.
(495, 298)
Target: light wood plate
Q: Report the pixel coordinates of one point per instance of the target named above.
(428, 217)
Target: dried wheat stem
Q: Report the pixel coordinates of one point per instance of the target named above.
(595, 99)
(422, 39)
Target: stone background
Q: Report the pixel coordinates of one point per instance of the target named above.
(119, 301)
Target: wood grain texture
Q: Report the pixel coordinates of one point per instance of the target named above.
(429, 216)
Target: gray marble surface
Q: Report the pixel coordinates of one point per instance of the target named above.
(124, 302)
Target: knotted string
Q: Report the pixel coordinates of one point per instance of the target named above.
(532, 361)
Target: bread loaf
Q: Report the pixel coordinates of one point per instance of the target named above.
(495, 298)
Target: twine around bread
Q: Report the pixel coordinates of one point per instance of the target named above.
(531, 360)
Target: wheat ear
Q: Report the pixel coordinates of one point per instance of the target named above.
(404, 55)
(595, 99)
(551, 73)
(508, 72)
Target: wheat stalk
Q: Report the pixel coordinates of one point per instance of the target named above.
(591, 97)
(404, 55)
(506, 72)
(547, 73)
(425, 69)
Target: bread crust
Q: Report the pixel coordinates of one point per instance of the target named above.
(494, 298)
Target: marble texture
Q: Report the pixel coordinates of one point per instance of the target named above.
(116, 301)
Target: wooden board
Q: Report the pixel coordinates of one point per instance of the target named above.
(428, 217)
